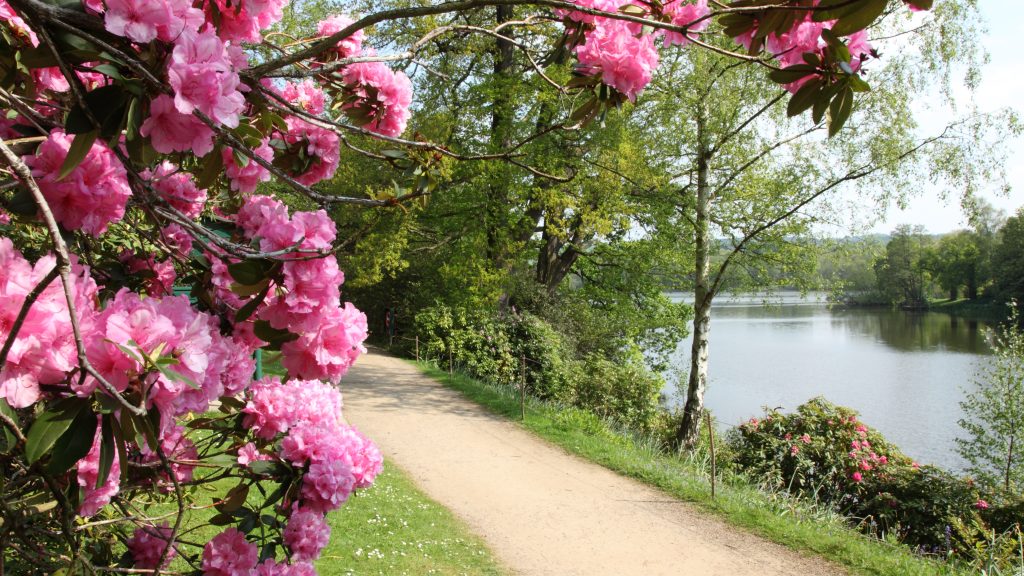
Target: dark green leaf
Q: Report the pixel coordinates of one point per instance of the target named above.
(251, 272)
(74, 444)
(791, 74)
(108, 70)
(805, 97)
(839, 111)
(868, 12)
(7, 438)
(272, 336)
(246, 311)
(51, 425)
(107, 449)
(23, 203)
(80, 147)
(213, 164)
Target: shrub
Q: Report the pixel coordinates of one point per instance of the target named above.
(824, 452)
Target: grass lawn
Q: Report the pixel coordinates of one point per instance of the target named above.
(392, 528)
(777, 517)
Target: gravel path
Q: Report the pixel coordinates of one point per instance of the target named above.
(541, 510)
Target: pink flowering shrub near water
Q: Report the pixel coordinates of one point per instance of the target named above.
(825, 453)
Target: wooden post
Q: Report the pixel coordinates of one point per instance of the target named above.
(522, 388)
(417, 347)
(711, 439)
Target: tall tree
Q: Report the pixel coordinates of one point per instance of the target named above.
(749, 186)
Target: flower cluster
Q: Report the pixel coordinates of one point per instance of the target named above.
(92, 195)
(379, 95)
(306, 297)
(44, 350)
(298, 422)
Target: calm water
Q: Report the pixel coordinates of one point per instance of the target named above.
(904, 372)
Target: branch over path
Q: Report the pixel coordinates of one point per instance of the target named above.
(541, 510)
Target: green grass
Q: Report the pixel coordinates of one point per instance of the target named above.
(392, 528)
(778, 517)
(981, 309)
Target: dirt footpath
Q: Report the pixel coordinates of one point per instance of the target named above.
(541, 510)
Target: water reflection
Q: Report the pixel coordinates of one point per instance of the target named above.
(904, 372)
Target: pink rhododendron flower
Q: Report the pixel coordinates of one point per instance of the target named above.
(203, 77)
(242, 20)
(93, 497)
(177, 188)
(794, 449)
(306, 534)
(177, 239)
(602, 5)
(684, 12)
(92, 195)
(348, 46)
(805, 438)
(51, 79)
(981, 505)
(306, 95)
(229, 554)
(171, 131)
(146, 20)
(320, 146)
(249, 453)
(44, 350)
(245, 178)
(857, 477)
(327, 485)
(16, 24)
(147, 545)
(161, 274)
(380, 94)
(329, 351)
(624, 61)
(274, 407)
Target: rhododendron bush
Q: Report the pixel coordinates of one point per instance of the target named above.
(143, 266)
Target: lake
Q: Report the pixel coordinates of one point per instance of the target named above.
(905, 372)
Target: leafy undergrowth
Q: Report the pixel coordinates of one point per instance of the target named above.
(778, 517)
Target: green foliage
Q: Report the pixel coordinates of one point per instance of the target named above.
(1008, 259)
(507, 349)
(994, 415)
(901, 273)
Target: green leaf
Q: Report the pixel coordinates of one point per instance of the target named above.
(213, 164)
(107, 449)
(240, 159)
(108, 70)
(51, 425)
(272, 336)
(74, 444)
(860, 19)
(234, 500)
(80, 147)
(805, 97)
(246, 311)
(791, 74)
(7, 438)
(23, 203)
(839, 111)
(252, 272)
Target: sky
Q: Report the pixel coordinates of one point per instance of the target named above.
(1001, 87)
